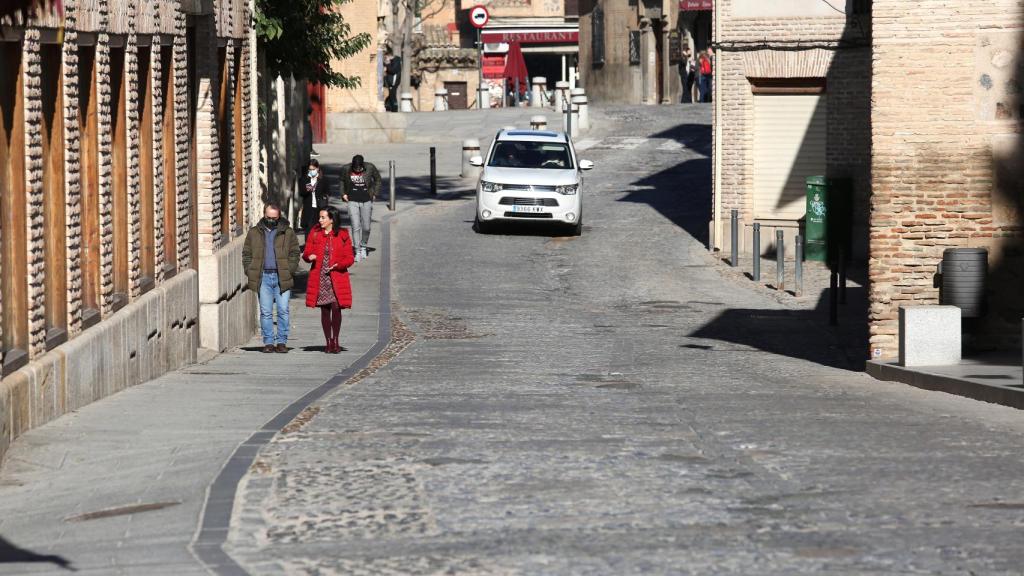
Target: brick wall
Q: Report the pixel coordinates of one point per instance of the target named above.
(946, 158)
(361, 16)
(128, 23)
(829, 47)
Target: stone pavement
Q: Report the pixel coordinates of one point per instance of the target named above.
(159, 445)
(611, 404)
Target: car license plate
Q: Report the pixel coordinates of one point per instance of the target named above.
(528, 209)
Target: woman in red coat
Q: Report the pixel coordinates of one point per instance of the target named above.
(329, 248)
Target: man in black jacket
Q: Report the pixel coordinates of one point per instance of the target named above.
(361, 182)
(314, 195)
(392, 76)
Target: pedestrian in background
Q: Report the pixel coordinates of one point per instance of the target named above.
(329, 248)
(686, 69)
(361, 182)
(315, 194)
(270, 258)
(392, 77)
(706, 69)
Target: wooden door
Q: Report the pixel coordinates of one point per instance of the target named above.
(457, 99)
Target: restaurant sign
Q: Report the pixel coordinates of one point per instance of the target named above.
(532, 36)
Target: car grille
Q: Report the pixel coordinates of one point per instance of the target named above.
(528, 215)
(527, 188)
(513, 201)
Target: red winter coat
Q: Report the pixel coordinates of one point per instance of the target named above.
(341, 256)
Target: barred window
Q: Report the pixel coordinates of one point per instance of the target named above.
(597, 36)
(634, 47)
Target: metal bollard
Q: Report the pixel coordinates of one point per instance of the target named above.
(798, 264)
(391, 185)
(833, 304)
(842, 274)
(433, 171)
(735, 237)
(780, 261)
(757, 251)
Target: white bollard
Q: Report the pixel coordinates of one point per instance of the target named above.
(580, 102)
(406, 102)
(537, 96)
(440, 99)
(561, 95)
(574, 120)
(483, 96)
(539, 122)
(470, 148)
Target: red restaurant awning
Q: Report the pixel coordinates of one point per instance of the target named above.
(694, 5)
(532, 36)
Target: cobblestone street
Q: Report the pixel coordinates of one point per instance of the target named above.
(616, 404)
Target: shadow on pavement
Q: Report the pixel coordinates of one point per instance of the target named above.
(682, 194)
(802, 334)
(11, 554)
(696, 137)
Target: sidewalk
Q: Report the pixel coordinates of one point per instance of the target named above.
(119, 486)
(995, 378)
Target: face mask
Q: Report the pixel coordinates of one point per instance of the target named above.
(312, 173)
(270, 222)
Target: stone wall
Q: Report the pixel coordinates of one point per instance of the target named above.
(617, 79)
(783, 43)
(154, 334)
(947, 159)
(158, 328)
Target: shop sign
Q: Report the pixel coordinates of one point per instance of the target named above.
(695, 5)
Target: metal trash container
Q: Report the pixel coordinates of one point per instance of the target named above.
(828, 219)
(963, 272)
(816, 219)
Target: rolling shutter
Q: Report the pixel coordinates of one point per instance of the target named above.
(789, 145)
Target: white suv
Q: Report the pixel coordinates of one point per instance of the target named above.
(530, 175)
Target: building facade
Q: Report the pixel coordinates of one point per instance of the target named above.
(792, 99)
(126, 182)
(631, 50)
(947, 159)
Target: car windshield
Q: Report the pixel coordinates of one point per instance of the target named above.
(526, 154)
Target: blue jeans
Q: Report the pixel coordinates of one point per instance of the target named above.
(270, 291)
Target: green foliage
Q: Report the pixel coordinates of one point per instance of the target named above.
(304, 37)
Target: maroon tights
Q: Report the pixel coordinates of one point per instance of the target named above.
(330, 320)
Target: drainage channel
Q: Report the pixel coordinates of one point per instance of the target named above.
(208, 546)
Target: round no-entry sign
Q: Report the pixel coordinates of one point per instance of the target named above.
(479, 16)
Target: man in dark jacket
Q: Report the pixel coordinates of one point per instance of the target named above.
(392, 76)
(361, 182)
(314, 194)
(270, 258)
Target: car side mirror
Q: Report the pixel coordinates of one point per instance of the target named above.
(476, 161)
(586, 164)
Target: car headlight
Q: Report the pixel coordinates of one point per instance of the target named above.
(490, 186)
(568, 189)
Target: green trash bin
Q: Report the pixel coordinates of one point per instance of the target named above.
(816, 219)
(827, 221)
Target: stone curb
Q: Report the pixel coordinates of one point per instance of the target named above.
(215, 521)
(1005, 395)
